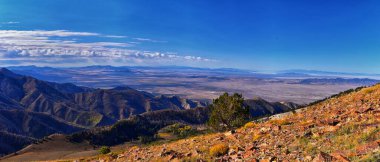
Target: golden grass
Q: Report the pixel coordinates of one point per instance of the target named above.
(164, 135)
(371, 89)
(256, 137)
(219, 150)
(249, 125)
(279, 122)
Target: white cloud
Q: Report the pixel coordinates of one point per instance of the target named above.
(61, 46)
(149, 40)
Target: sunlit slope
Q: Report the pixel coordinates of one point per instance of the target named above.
(344, 127)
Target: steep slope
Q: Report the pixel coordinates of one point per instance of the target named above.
(8, 103)
(38, 96)
(342, 128)
(11, 85)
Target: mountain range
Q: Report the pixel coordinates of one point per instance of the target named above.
(31, 109)
(34, 108)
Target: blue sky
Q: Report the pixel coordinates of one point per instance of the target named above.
(270, 35)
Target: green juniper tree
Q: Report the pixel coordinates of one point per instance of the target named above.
(228, 112)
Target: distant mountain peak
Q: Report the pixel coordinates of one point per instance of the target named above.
(5, 70)
(7, 73)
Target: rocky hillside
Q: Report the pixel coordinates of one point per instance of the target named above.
(342, 128)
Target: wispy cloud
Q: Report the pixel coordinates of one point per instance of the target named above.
(115, 36)
(11, 22)
(63, 47)
(149, 40)
(43, 33)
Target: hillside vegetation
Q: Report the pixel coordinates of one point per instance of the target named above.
(342, 128)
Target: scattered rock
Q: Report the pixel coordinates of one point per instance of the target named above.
(308, 158)
(364, 110)
(323, 157)
(241, 149)
(120, 156)
(307, 134)
(252, 147)
(276, 128)
(229, 133)
(364, 149)
(231, 152)
(264, 130)
(340, 157)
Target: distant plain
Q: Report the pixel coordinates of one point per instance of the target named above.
(205, 84)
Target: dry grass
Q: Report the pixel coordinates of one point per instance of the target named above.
(280, 122)
(219, 150)
(249, 125)
(165, 135)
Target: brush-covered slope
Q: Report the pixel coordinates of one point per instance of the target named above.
(342, 128)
